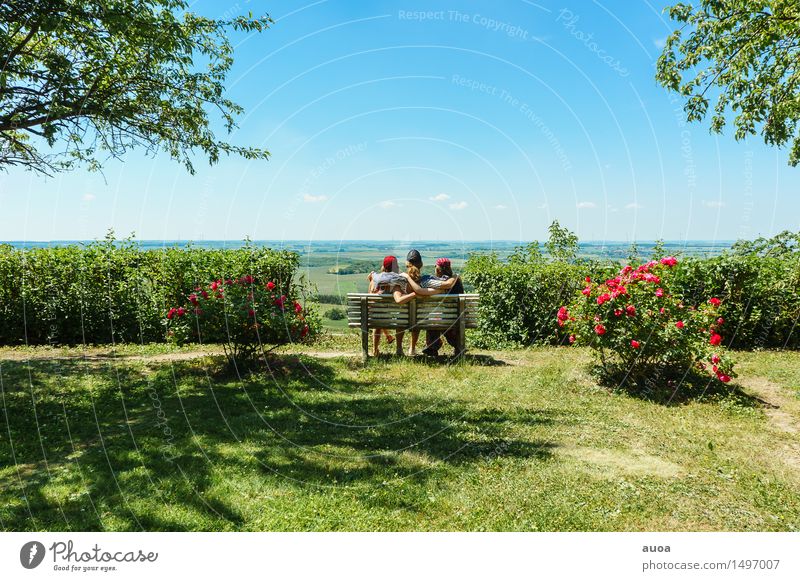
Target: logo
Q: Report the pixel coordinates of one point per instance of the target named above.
(31, 554)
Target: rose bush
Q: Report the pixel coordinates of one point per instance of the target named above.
(243, 315)
(639, 330)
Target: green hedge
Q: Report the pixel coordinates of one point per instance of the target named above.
(520, 297)
(758, 282)
(760, 294)
(113, 291)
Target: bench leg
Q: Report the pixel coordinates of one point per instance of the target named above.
(364, 330)
(462, 327)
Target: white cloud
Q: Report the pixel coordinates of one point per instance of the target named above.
(586, 205)
(500, 207)
(458, 206)
(660, 43)
(542, 206)
(439, 198)
(713, 204)
(634, 206)
(313, 199)
(88, 197)
(389, 204)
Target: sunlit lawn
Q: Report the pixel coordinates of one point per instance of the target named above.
(515, 440)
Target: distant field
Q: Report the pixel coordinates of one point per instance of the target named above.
(317, 258)
(315, 267)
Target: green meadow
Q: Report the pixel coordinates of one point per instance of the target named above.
(157, 438)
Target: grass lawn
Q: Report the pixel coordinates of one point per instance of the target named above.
(338, 325)
(156, 439)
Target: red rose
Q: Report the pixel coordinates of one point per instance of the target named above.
(600, 329)
(587, 291)
(204, 294)
(634, 343)
(715, 302)
(723, 378)
(631, 310)
(298, 308)
(618, 312)
(715, 358)
(193, 298)
(720, 321)
(171, 313)
(669, 261)
(679, 324)
(659, 292)
(715, 339)
(270, 285)
(304, 332)
(180, 311)
(572, 339)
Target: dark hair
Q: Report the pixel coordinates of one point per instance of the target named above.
(446, 270)
(414, 258)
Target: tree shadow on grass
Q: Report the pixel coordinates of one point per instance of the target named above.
(181, 447)
(675, 388)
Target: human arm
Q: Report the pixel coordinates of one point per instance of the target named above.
(402, 299)
(439, 283)
(421, 291)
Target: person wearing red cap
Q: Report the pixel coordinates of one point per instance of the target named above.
(433, 338)
(426, 285)
(389, 280)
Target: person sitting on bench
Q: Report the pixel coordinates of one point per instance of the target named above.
(433, 337)
(389, 281)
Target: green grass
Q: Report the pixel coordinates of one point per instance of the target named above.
(337, 325)
(513, 440)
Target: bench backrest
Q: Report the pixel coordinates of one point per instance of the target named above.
(435, 312)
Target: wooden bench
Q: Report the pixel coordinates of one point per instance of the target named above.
(441, 312)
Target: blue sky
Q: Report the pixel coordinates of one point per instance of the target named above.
(422, 120)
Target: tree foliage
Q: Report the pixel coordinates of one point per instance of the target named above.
(745, 55)
(82, 81)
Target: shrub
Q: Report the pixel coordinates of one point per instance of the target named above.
(242, 314)
(115, 291)
(759, 286)
(637, 327)
(335, 314)
(519, 297)
(331, 299)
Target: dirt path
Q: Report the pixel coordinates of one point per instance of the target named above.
(109, 356)
(777, 398)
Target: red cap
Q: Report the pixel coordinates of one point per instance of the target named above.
(388, 262)
(442, 262)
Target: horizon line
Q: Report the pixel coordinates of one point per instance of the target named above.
(399, 242)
